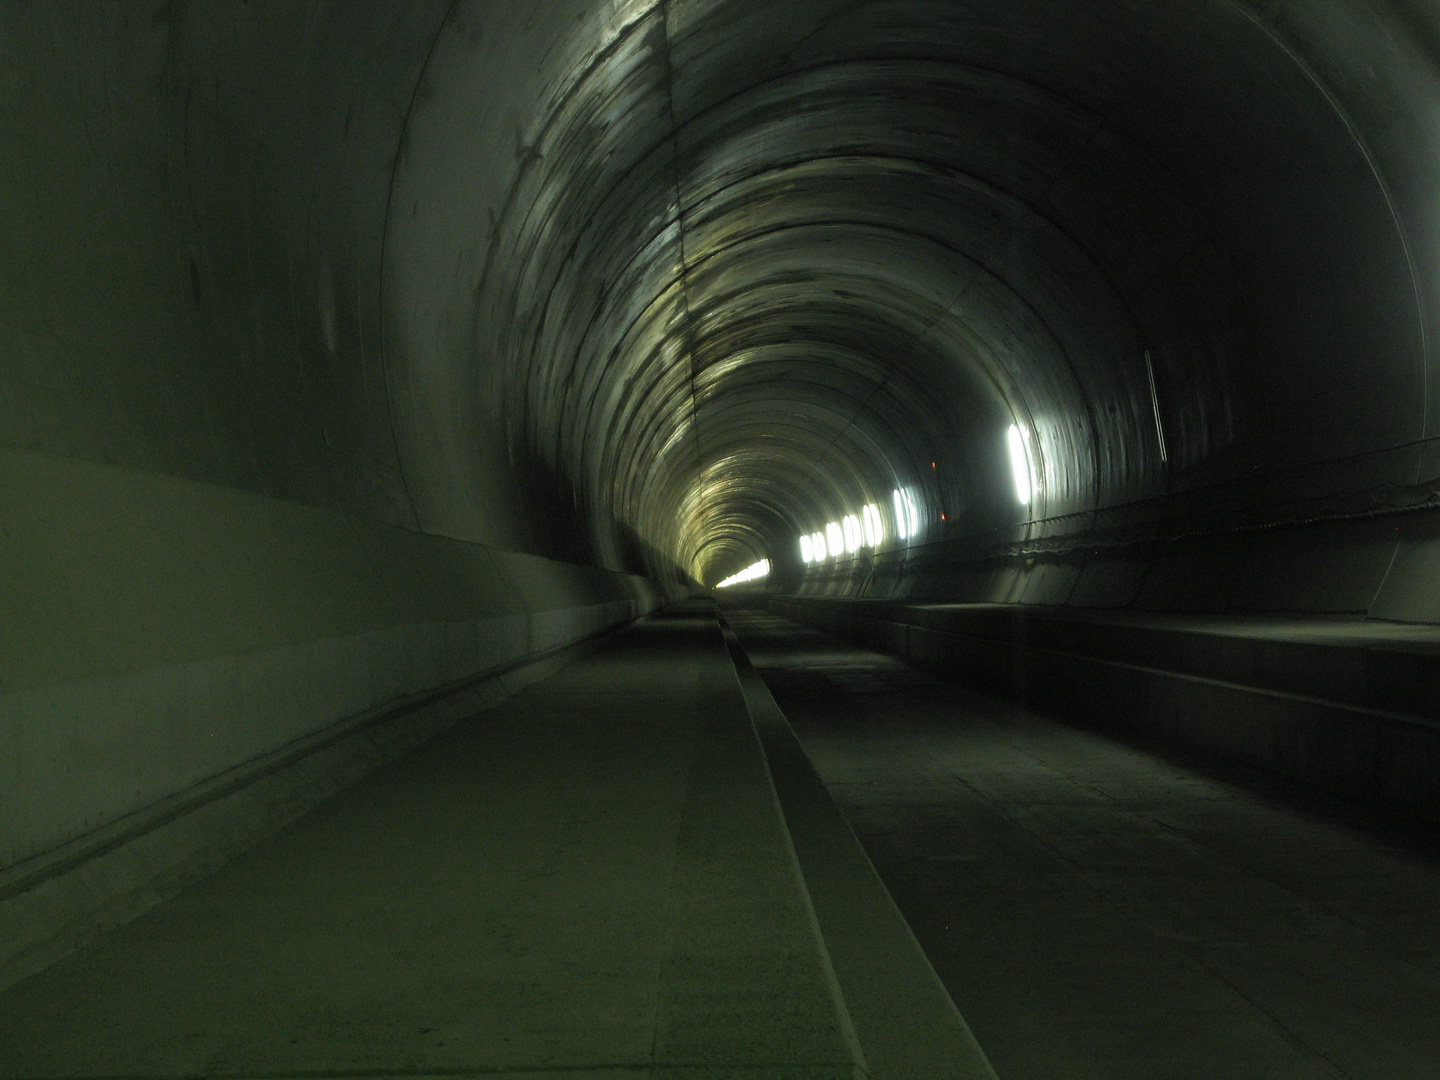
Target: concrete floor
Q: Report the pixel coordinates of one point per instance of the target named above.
(591, 880)
(595, 879)
(1107, 911)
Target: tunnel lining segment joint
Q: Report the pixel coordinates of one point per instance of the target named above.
(402, 141)
(1362, 145)
(688, 333)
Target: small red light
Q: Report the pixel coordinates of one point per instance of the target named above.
(942, 517)
(933, 465)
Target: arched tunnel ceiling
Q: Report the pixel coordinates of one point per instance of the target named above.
(725, 270)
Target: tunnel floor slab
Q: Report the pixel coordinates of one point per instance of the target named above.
(592, 879)
(1101, 909)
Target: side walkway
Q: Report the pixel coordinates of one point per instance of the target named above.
(592, 879)
(1101, 911)
(1347, 707)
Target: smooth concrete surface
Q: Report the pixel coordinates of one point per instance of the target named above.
(1100, 910)
(592, 880)
(158, 631)
(1346, 706)
(906, 1023)
(57, 901)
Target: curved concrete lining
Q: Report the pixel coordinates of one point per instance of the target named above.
(351, 350)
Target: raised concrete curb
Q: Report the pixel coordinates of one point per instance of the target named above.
(1311, 701)
(56, 902)
(905, 1020)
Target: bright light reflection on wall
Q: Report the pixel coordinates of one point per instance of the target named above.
(835, 539)
(874, 528)
(1019, 464)
(907, 515)
(750, 573)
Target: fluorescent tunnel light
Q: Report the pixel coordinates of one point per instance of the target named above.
(907, 515)
(1019, 464)
(852, 533)
(874, 528)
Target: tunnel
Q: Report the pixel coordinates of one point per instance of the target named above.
(372, 368)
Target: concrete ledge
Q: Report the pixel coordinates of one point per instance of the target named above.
(1304, 699)
(160, 631)
(908, 1027)
(55, 902)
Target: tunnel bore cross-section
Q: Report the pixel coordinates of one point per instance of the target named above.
(692, 538)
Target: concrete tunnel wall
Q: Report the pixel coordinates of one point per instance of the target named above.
(208, 542)
(353, 349)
